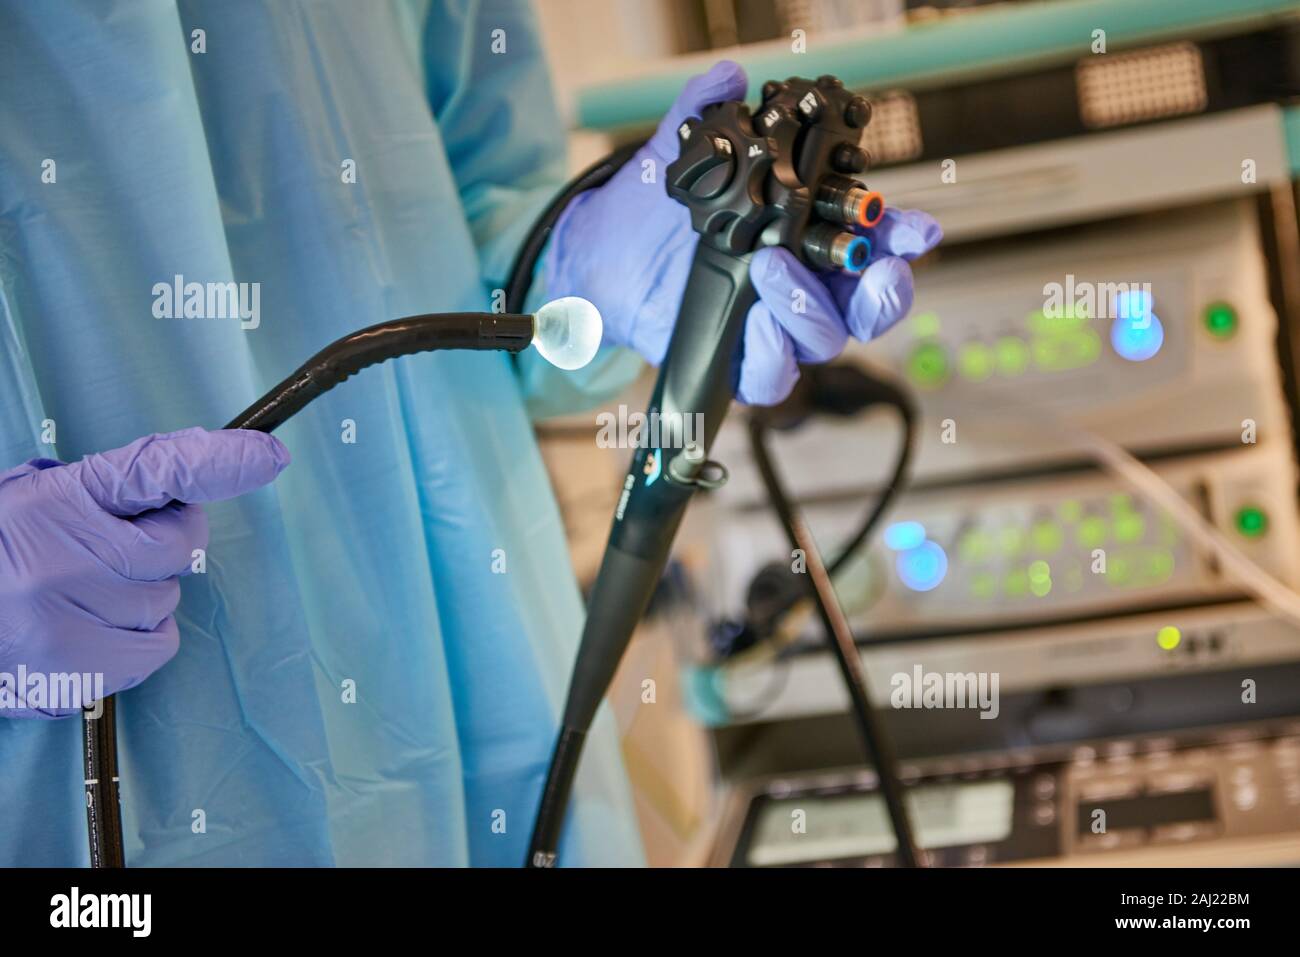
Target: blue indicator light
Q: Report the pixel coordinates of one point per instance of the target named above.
(1136, 334)
(1134, 304)
(902, 536)
(922, 568)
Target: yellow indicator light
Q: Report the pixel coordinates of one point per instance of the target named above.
(1168, 637)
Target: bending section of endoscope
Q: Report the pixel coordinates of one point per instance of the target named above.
(379, 343)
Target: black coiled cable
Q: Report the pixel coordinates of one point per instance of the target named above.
(842, 390)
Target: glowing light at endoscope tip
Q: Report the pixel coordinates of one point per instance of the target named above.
(567, 332)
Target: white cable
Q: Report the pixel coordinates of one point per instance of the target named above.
(1270, 591)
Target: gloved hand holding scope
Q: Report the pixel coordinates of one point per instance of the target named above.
(628, 247)
(778, 266)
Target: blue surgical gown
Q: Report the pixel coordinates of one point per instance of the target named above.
(372, 664)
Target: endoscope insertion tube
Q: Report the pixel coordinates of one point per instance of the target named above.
(566, 332)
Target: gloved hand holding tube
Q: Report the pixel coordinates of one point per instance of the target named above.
(91, 554)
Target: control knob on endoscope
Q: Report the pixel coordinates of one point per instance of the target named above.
(706, 164)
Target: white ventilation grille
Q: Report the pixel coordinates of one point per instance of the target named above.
(1116, 89)
(894, 133)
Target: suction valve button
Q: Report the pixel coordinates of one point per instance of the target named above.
(857, 113)
(847, 158)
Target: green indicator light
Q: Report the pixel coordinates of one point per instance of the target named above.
(1016, 583)
(1071, 510)
(975, 547)
(1064, 351)
(1160, 565)
(1251, 521)
(1119, 571)
(1129, 527)
(925, 325)
(1047, 537)
(975, 361)
(1091, 532)
(1221, 320)
(983, 585)
(1069, 318)
(1168, 637)
(1121, 502)
(1012, 540)
(1012, 355)
(1040, 578)
(928, 364)
(1141, 567)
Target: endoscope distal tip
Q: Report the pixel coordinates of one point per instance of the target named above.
(567, 332)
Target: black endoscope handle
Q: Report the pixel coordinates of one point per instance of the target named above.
(699, 376)
(702, 367)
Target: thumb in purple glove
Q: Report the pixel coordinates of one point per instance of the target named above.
(91, 554)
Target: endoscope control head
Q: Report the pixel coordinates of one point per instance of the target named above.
(783, 175)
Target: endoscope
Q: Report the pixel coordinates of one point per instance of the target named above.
(782, 176)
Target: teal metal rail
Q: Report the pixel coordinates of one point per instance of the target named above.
(954, 48)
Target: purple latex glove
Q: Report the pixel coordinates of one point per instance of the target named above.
(627, 247)
(90, 553)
